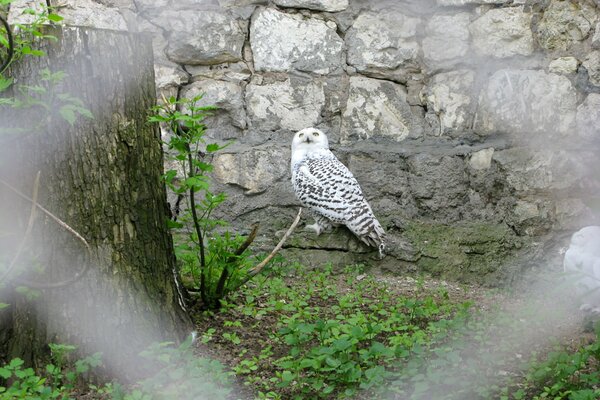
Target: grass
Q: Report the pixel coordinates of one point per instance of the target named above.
(311, 334)
(300, 334)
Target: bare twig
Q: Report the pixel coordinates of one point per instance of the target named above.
(32, 215)
(66, 227)
(256, 270)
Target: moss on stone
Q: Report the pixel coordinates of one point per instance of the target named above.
(474, 252)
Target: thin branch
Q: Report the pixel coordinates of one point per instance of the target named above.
(66, 227)
(32, 215)
(258, 268)
(220, 291)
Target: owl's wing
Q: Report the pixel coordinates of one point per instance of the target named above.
(329, 188)
(326, 186)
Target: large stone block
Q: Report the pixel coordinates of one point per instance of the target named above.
(230, 117)
(377, 109)
(282, 42)
(532, 172)
(254, 170)
(446, 37)
(439, 183)
(202, 38)
(503, 32)
(449, 96)
(383, 44)
(526, 103)
(588, 117)
(74, 12)
(318, 5)
(466, 2)
(293, 104)
(564, 23)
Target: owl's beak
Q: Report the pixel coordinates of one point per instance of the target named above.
(308, 139)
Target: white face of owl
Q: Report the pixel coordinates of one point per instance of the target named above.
(309, 139)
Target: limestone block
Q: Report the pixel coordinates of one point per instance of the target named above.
(281, 42)
(526, 102)
(466, 2)
(293, 104)
(166, 76)
(449, 96)
(228, 98)
(383, 44)
(503, 32)
(446, 37)
(531, 171)
(255, 170)
(588, 117)
(74, 12)
(377, 108)
(563, 65)
(596, 37)
(318, 5)
(564, 23)
(202, 38)
(439, 182)
(592, 65)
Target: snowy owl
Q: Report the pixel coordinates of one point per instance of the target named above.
(327, 188)
(582, 259)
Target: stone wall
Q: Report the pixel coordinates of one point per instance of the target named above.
(473, 126)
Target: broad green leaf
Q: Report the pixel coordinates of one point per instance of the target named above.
(68, 114)
(5, 373)
(55, 17)
(4, 305)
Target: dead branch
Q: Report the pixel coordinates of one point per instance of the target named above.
(61, 223)
(258, 268)
(32, 215)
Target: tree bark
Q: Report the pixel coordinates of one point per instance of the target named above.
(102, 177)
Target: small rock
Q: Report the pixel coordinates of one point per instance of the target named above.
(592, 65)
(482, 159)
(563, 65)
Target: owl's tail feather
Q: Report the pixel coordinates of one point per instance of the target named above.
(375, 237)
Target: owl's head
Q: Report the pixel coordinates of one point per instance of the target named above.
(309, 139)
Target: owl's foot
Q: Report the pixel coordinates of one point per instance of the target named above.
(319, 226)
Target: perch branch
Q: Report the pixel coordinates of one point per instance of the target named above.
(66, 227)
(256, 270)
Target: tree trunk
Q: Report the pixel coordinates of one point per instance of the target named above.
(102, 177)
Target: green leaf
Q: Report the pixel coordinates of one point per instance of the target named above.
(212, 147)
(5, 373)
(55, 17)
(5, 83)
(4, 305)
(68, 114)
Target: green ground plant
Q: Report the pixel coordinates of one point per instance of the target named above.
(57, 381)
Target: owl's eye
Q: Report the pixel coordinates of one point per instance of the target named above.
(315, 133)
(300, 135)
